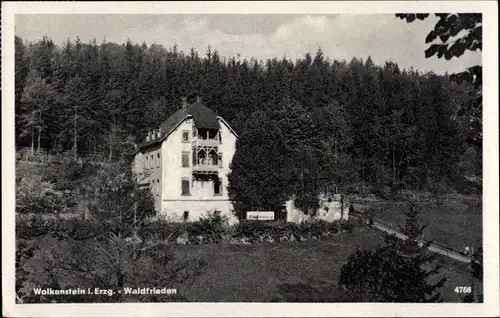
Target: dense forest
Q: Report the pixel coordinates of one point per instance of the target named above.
(348, 121)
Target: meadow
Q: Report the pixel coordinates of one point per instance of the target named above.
(454, 221)
(291, 272)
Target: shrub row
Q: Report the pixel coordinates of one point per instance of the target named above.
(76, 228)
(259, 232)
(205, 231)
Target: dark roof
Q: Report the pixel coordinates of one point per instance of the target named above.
(203, 117)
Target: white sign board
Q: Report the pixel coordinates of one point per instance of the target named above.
(260, 215)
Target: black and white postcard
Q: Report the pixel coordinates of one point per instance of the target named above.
(270, 159)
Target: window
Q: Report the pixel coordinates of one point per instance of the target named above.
(158, 158)
(158, 188)
(186, 215)
(195, 132)
(153, 187)
(218, 187)
(185, 187)
(185, 136)
(185, 159)
(146, 163)
(212, 159)
(220, 159)
(220, 137)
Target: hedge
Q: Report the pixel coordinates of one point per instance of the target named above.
(76, 228)
(204, 231)
(258, 232)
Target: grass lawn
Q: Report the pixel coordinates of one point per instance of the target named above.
(452, 221)
(285, 271)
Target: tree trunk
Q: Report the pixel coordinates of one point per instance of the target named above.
(32, 140)
(110, 146)
(76, 138)
(39, 138)
(393, 167)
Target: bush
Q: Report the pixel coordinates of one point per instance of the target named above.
(79, 229)
(161, 230)
(261, 232)
(209, 229)
(111, 263)
(34, 195)
(32, 227)
(37, 226)
(387, 275)
(347, 226)
(250, 230)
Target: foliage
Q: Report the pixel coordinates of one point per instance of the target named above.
(459, 33)
(384, 275)
(209, 229)
(37, 99)
(62, 264)
(257, 178)
(161, 230)
(399, 271)
(117, 200)
(103, 250)
(368, 125)
(270, 232)
(34, 195)
(305, 180)
(69, 174)
(36, 226)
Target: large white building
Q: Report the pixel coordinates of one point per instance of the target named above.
(186, 162)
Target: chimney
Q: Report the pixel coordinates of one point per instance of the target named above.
(159, 133)
(184, 102)
(198, 99)
(148, 136)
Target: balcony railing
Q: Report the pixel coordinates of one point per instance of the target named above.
(205, 168)
(205, 142)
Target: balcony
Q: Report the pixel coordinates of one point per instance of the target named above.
(205, 143)
(205, 168)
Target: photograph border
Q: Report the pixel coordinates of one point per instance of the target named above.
(490, 307)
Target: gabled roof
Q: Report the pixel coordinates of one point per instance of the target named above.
(203, 117)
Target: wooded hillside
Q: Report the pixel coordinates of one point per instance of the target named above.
(358, 122)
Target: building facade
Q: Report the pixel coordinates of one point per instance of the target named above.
(185, 162)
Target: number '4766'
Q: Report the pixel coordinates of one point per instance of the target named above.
(463, 289)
